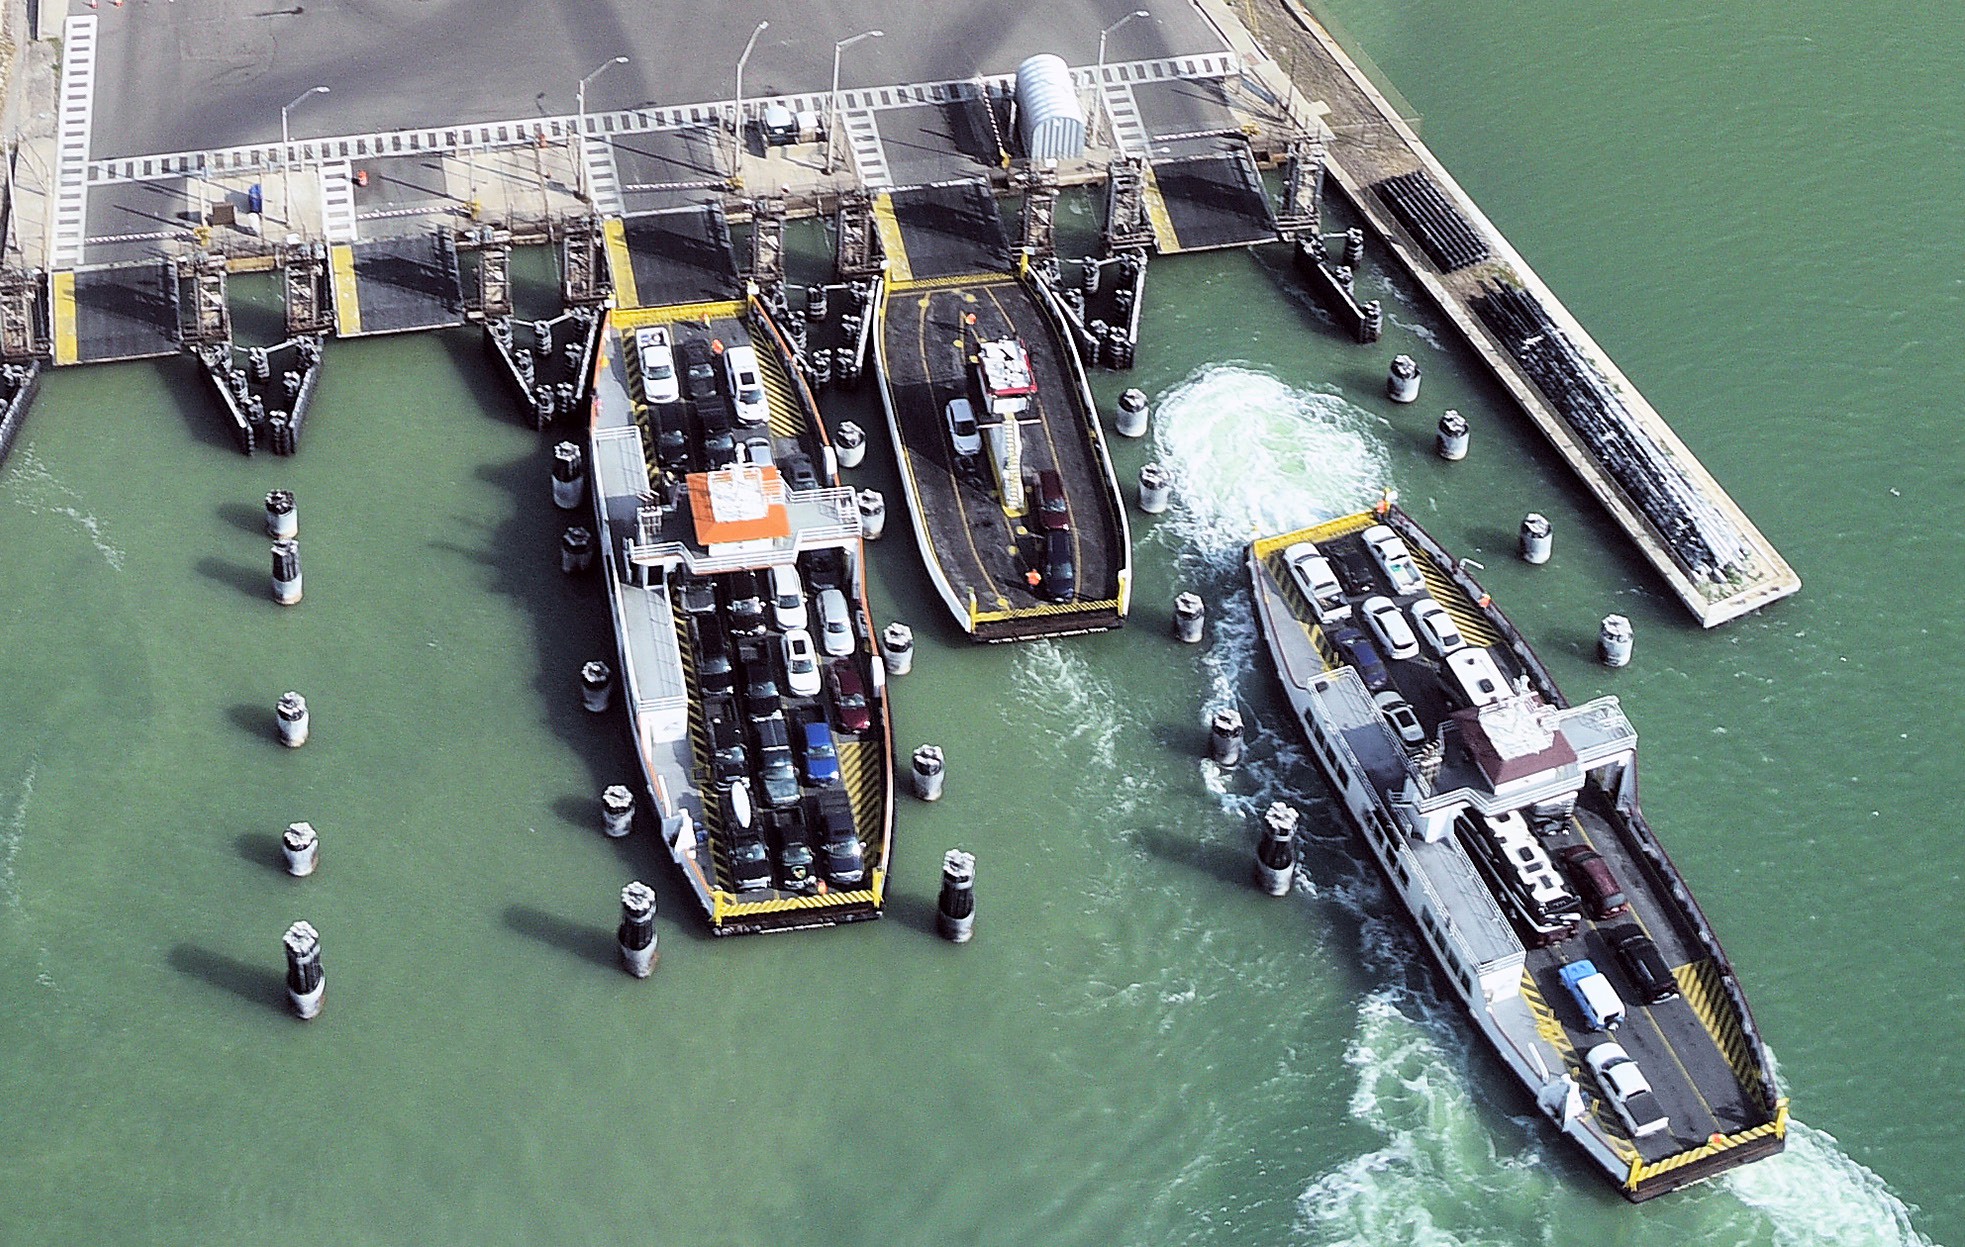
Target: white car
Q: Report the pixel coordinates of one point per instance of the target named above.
(801, 663)
(746, 385)
(1394, 560)
(1399, 713)
(658, 379)
(962, 427)
(1318, 580)
(787, 598)
(1436, 628)
(835, 623)
(1389, 625)
(1627, 1089)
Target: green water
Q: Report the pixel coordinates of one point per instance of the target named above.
(1137, 1048)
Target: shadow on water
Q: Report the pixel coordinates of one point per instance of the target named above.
(1219, 862)
(252, 983)
(245, 518)
(190, 394)
(248, 580)
(261, 848)
(260, 722)
(588, 943)
(917, 913)
(570, 625)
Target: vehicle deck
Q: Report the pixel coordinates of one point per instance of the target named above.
(1697, 1049)
(980, 552)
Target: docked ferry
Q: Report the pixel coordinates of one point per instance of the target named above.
(1506, 821)
(753, 685)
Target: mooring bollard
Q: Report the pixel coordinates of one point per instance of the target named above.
(286, 572)
(1454, 436)
(302, 849)
(1275, 853)
(1372, 325)
(929, 772)
(1155, 489)
(851, 444)
(306, 981)
(617, 811)
(576, 550)
(1402, 381)
(569, 476)
(636, 934)
(1225, 738)
(1615, 641)
(282, 521)
(1354, 247)
(1538, 538)
(955, 911)
(596, 685)
(897, 648)
(815, 304)
(1190, 617)
(291, 710)
(873, 514)
(1133, 416)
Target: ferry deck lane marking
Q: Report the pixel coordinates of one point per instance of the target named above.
(1157, 214)
(620, 262)
(347, 293)
(955, 484)
(62, 286)
(889, 229)
(1077, 555)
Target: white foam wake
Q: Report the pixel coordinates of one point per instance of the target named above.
(1250, 454)
(1815, 1194)
(37, 489)
(12, 832)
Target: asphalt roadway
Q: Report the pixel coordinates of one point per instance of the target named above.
(215, 73)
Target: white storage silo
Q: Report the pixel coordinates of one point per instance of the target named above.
(1049, 116)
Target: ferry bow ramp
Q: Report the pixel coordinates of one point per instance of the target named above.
(1009, 485)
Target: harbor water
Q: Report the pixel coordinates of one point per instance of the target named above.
(1137, 1046)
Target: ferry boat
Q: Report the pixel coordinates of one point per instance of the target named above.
(753, 684)
(1506, 822)
(1009, 484)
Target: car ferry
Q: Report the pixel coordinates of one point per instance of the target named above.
(1507, 824)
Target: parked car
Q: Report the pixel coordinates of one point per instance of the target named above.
(1436, 627)
(849, 696)
(1595, 998)
(1399, 713)
(801, 663)
(1354, 648)
(714, 671)
(798, 473)
(1392, 557)
(1060, 576)
(1643, 965)
(728, 759)
(1317, 580)
(835, 623)
(794, 854)
(774, 765)
(750, 861)
(743, 606)
(739, 811)
(1627, 1089)
(962, 432)
(787, 597)
(1594, 882)
(697, 594)
(698, 371)
(658, 379)
(1053, 510)
(746, 384)
(839, 840)
(1389, 625)
(821, 756)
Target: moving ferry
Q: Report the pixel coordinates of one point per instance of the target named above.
(755, 692)
(1506, 821)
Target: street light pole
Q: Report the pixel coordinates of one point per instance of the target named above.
(832, 121)
(580, 109)
(1098, 75)
(286, 153)
(737, 105)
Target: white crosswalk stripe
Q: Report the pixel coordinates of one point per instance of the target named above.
(78, 89)
(863, 137)
(338, 202)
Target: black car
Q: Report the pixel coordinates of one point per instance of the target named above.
(1355, 648)
(750, 861)
(718, 443)
(696, 593)
(824, 568)
(743, 604)
(728, 759)
(798, 472)
(840, 854)
(794, 853)
(714, 671)
(774, 765)
(672, 443)
(699, 371)
(1643, 965)
(762, 695)
(1060, 576)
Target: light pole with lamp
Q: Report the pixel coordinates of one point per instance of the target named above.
(832, 121)
(580, 123)
(1098, 75)
(286, 153)
(737, 105)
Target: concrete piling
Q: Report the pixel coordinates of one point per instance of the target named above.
(282, 521)
(1225, 738)
(815, 304)
(636, 934)
(1275, 852)
(873, 514)
(291, 710)
(306, 981)
(1454, 436)
(1132, 416)
(851, 442)
(1538, 538)
(569, 476)
(1402, 379)
(301, 848)
(1354, 248)
(1155, 489)
(1615, 641)
(617, 811)
(286, 572)
(596, 685)
(897, 648)
(955, 910)
(929, 772)
(1190, 617)
(576, 550)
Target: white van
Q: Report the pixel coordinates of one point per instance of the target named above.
(835, 623)
(1318, 581)
(787, 597)
(746, 384)
(1390, 627)
(1470, 675)
(1394, 560)
(657, 358)
(1436, 627)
